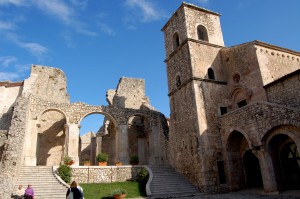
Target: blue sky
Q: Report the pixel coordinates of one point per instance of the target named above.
(95, 42)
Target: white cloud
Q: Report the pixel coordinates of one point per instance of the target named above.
(8, 76)
(6, 25)
(7, 60)
(149, 11)
(106, 29)
(36, 49)
(13, 2)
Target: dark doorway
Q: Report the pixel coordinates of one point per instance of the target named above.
(252, 170)
(290, 163)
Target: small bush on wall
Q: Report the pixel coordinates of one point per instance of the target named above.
(65, 172)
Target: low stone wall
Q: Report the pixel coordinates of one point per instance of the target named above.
(104, 174)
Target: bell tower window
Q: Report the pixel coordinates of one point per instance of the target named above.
(176, 41)
(202, 33)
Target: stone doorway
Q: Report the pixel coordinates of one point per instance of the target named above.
(252, 170)
(286, 162)
(51, 138)
(138, 138)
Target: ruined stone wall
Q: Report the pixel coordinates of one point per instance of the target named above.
(8, 95)
(86, 148)
(130, 93)
(285, 91)
(276, 62)
(48, 84)
(104, 174)
(11, 159)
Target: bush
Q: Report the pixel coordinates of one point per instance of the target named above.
(65, 172)
(134, 159)
(118, 192)
(102, 157)
(142, 176)
(67, 159)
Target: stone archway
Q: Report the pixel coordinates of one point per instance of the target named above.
(51, 138)
(286, 161)
(138, 138)
(252, 170)
(237, 145)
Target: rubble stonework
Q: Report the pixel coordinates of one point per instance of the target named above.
(235, 111)
(39, 125)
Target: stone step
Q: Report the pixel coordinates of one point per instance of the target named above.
(166, 181)
(43, 181)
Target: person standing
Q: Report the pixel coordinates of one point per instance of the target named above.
(81, 190)
(20, 192)
(73, 190)
(29, 193)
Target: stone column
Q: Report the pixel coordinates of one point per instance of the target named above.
(267, 171)
(73, 143)
(122, 143)
(66, 146)
(31, 143)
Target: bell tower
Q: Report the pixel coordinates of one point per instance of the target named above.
(193, 39)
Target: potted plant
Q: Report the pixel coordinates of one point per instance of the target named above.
(134, 159)
(119, 193)
(86, 163)
(118, 163)
(102, 159)
(68, 161)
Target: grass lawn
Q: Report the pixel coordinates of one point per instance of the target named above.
(103, 190)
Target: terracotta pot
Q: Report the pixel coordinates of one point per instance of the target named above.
(102, 163)
(119, 164)
(121, 196)
(86, 164)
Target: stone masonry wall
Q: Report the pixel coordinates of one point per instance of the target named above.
(286, 91)
(14, 146)
(105, 174)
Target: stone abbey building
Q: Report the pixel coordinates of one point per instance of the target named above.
(235, 111)
(234, 123)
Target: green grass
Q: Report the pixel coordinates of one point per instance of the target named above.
(103, 190)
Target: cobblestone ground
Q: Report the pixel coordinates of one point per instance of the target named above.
(245, 194)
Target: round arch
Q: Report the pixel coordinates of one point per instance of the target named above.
(139, 130)
(282, 144)
(53, 109)
(111, 118)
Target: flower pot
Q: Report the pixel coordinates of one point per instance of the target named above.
(120, 196)
(102, 163)
(119, 164)
(86, 163)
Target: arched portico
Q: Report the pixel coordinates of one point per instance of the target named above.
(282, 144)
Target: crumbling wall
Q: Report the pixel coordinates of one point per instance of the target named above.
(11, 159)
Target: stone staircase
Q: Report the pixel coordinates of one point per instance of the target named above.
(166, 182)
(43, 181)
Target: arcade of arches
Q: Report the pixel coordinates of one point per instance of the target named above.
(273, 166)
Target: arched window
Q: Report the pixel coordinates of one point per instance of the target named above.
(202, 33)
(176, 42)
(211, 74)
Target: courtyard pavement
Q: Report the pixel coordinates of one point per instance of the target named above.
(244, 194)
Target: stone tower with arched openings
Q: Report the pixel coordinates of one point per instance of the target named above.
(193, 39)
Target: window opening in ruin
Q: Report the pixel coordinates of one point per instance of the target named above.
(202, 33)
(223, 110)
(176, 41)
(178, 81)
(242, 103)
(221, 172)
(252, 170)
(211, 73)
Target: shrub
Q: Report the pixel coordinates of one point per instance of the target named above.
(67, 159)
(134, 159)
(118, 192)
(102, 157)
(65, 172)
(142, 176)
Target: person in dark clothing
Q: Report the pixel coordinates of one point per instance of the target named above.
(76, 192)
